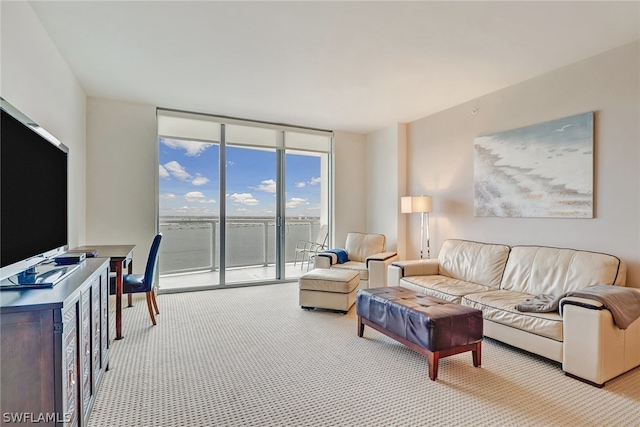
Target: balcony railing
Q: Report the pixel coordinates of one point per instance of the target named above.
(193, 244)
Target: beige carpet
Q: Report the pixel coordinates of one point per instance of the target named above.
(252, 357)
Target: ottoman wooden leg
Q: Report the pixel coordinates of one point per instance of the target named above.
(477, 354)
(434, 359)
(360, 327)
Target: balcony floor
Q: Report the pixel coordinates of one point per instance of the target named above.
(235, 276)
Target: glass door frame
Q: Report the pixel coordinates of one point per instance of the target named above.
(280, 208)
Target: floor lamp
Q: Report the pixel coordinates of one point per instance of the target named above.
(421, 205)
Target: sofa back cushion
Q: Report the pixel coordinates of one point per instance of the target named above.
(539, 270)
(480, 263)
(359, 246)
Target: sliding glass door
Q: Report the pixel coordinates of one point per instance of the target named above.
(306, 207)
(188, 201)
(252, 198)
(236, 198)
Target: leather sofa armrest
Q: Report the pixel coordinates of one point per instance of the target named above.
(594, 348)
(580, 302)
(325, 260)
(377, 266)
(382, 256)
(394, 274)
(418, 267)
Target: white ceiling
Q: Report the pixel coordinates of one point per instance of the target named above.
(353, 66)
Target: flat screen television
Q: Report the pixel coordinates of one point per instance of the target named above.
(33, 198)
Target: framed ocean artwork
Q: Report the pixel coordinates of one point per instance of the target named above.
(543, 171)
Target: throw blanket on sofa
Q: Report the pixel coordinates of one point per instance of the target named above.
(623, 303)
(341, 254)
(543, 303)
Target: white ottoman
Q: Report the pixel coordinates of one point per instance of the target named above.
(329, 288)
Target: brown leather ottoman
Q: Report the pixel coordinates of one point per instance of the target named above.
(428, 325)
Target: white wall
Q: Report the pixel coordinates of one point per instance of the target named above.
(121, 175)
(440, 158)
(386, 183)
(36, 80)
(349, 186)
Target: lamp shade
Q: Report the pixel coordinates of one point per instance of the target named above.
(411, 204)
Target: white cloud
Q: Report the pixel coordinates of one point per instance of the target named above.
(200, 180)
(167, 196)
(296, 202)
(194, 196)
(191, 211)
(315, 181)
(162, 172)
(193, 148)
(268, 186)
(244, 199)
(197, 196)
(177, 170)
(301, 184)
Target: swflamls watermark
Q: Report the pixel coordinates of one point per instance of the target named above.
(35, 418)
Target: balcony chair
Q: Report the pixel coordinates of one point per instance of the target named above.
(366, 253)
(135, 283)
(308, 248)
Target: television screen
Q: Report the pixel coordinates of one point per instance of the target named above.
(33, 191)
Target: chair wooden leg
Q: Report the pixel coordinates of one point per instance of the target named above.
(130, 300)
(149, 306)
(153, 300)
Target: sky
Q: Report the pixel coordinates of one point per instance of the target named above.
(189, 181)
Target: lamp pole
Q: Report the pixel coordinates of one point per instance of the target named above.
(422, 236)
(428, 238)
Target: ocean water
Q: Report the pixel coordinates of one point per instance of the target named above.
(189, 245)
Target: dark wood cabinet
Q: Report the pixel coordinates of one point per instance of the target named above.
(55, 348)
(70, 391)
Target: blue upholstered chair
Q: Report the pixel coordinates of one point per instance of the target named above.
(135, 283)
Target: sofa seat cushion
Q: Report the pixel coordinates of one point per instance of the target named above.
(442, 287)
(360, 267)
(499, 306)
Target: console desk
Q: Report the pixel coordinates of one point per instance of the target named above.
(55, 347)
(121, 257)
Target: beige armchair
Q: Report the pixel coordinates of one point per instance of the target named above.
(366, 254)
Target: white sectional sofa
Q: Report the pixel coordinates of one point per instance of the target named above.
(496, 278)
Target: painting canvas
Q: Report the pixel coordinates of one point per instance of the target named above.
(544, 170)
